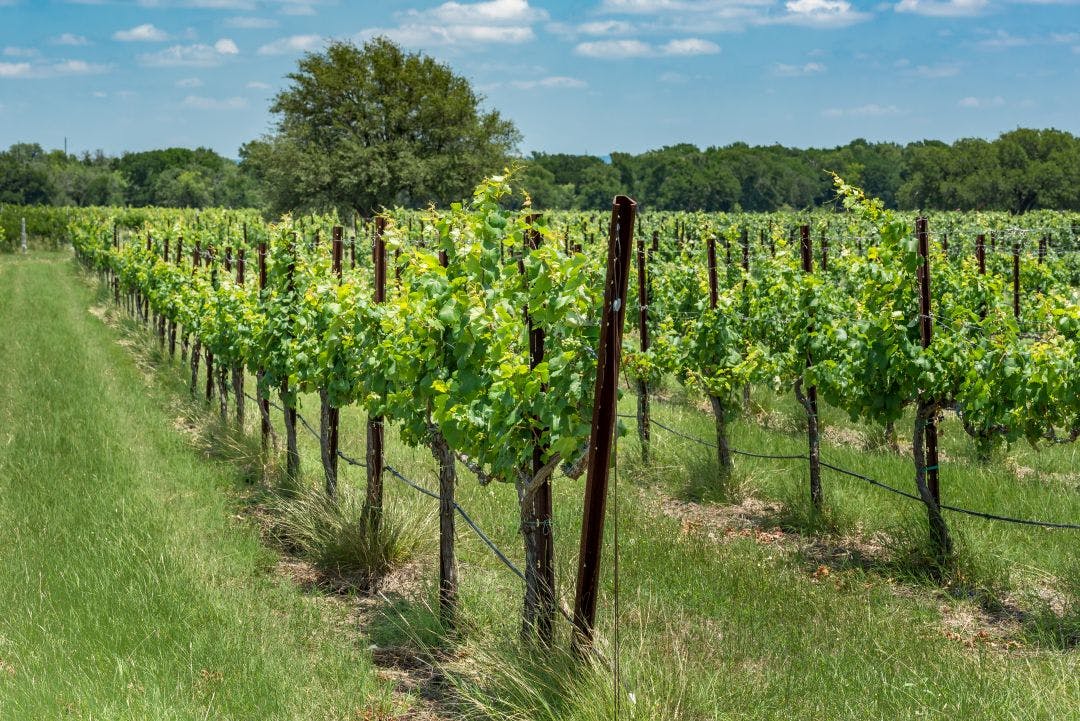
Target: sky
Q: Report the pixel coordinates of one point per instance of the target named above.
(576, 76)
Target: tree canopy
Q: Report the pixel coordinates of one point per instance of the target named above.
(373, 126)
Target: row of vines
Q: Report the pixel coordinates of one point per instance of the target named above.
(473, 330)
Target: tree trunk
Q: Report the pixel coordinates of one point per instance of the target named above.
(327, 421)
(373, 503)
(939, 532)
(448, 585)
(266, 430)
(643, 419)
(172, 339)
(890, 437)
(538, 618)
(209, 376)
(723, 446)
(223, 391)
(292, 451)
(238, 394)
(196, 354)
(809, 404)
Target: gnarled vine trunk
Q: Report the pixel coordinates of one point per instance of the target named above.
(723, 446)
(448, 585)
(196, 354)
(538, 618)
(939, 531)
(292, 451)
(238, 394)
(327, 422)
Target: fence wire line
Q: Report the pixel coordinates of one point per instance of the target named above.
(421, 489)
(874, 482)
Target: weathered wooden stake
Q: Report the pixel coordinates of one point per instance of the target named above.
(373, 504)
(643, 419)
(926, 457)
(809, 401)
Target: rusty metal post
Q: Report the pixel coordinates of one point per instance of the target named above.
(601, 442)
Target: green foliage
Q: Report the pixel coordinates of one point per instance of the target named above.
(368, 127)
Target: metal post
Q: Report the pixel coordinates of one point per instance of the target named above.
(620, 237)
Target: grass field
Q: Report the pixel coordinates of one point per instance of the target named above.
(135, 584)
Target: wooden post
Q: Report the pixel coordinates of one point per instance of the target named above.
(809, 401)
(22, 233)
(373, 504)
(926, 459)
(536, 511)
(1042, 248)
(263, 393)
(745, 241)
(238, 369)
(643, 419)
(196, 347)
(824, 251)
(210, 356)
(1016, 279)
(601, 441)
(710, 250)
(329, 415)
(980, 256)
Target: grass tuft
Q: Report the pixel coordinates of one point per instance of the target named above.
(335, 536)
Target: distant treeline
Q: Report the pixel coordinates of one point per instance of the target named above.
(175, 177)
(1021, 170)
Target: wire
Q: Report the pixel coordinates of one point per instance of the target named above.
(879, 484)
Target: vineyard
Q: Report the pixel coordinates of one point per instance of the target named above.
(806, 362)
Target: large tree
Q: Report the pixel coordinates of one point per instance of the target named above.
(372, 126)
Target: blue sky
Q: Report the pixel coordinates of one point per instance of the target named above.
(575, 75)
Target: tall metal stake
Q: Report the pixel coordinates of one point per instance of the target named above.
(601, 442)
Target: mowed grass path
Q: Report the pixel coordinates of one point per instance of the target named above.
(127, 588)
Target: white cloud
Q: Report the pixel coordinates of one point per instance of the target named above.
(250, 23)
(225, 46)
(189, 83)
(796, 71)
(15, 70)
(972, 102)
(606, 27)
(16, 52)
(293, 44)
(463, 24)
(863, 111)
(201, 103)
(689, 46)
(76, 67)
(297, 8)
(70, 39)
(820, 13)
(630, 48)
(555, 81)
(257, 85)
(614, 49)
(942, 8)
(190, 56)
(145, 33)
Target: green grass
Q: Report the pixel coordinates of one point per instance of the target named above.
(129, 588)
(710, 628)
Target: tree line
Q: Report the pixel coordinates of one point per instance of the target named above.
(173, 177)
(362, 128)
(1021, 170)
